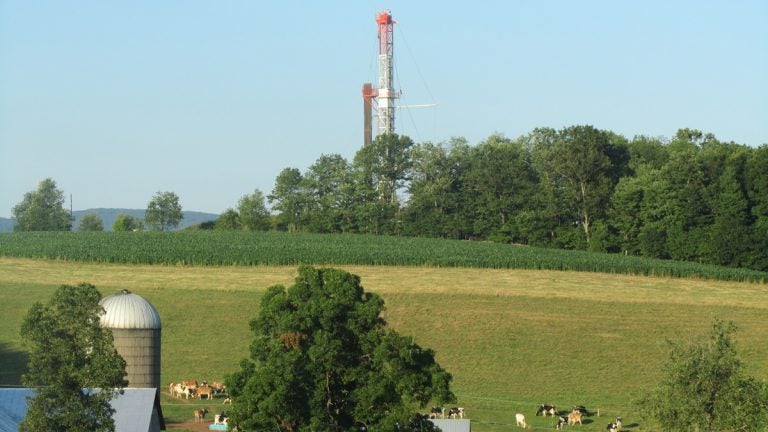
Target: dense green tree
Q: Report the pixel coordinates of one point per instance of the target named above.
(757, 192)
(328, 184)
(705, 388)
(127, 223)
(289, 198)
(433, 193)
(387, 162)
(591, 161)
(647, 151)
(550, 222)
(163, 211)
(323, 356)
(498, 183)
(253, 212)
(228, 221)
(730, 232)
(70, 355)
(42, 210)
(625, 213)
(91, 222)
(688, 201)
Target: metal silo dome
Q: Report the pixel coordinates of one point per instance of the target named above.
(136, 328)
(126, 310)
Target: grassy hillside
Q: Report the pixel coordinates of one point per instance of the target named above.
(279, 248)
(511, 338)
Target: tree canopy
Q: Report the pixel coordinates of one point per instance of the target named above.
(692, 198)
(91, 222)
(42, 209)
(128, 223)
(323, 359)
(705, 387)
(70, 355)
(163, 211)
(253, 214)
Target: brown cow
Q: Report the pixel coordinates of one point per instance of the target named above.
(200, 414)
(574, 417)
(207, 391)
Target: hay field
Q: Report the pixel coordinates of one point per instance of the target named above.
(511, 338)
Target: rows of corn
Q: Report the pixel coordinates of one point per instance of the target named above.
(277, 248)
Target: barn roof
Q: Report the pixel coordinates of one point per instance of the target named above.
(137, 409)
(125, 310)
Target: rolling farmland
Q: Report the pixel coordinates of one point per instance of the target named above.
(511, 338)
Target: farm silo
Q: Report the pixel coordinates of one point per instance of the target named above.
(136, 327)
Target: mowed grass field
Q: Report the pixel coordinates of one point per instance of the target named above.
(511, 338)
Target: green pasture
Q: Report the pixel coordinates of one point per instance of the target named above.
(511, 338)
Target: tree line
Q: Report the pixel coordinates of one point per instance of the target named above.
(689, 198)
(692, 198)
(43, 210)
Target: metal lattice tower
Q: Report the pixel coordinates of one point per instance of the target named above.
(384, 93)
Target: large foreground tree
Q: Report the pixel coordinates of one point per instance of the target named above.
(324, 359)
(705, 388)
(42, 209)
(70, 356)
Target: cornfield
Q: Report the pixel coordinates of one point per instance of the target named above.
(217, 248)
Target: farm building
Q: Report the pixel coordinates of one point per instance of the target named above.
(136, 410)
(453, 425)
(136, 327)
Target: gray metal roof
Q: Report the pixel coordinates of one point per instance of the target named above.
(136, 410)
(13, 407)
(126, 310)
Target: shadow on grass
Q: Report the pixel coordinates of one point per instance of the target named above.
(14, 363)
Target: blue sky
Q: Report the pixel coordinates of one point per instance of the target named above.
(211, 100)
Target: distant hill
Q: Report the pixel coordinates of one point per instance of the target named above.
(6, 224)
(108, 215)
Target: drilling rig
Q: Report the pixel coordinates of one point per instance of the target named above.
(382, 98)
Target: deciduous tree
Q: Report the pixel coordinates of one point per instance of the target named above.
(253, 212)
(42, 209)
(163, 211)
(128, 223)
(289, 197)
(323, 358)
(71, 355)
(705, 388)
(228, 221)
(91, 222)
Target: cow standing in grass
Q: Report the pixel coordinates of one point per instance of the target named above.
(520, 420)
(545, 410)
(200, 414)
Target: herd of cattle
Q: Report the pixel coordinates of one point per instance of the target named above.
(193, 389)
(572, 418)
(439, 412)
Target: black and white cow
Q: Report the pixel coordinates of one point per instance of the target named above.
(545, 410)
(456, 412)
(437, 412)
(612, 427)
(582, 409)
(562, 422)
